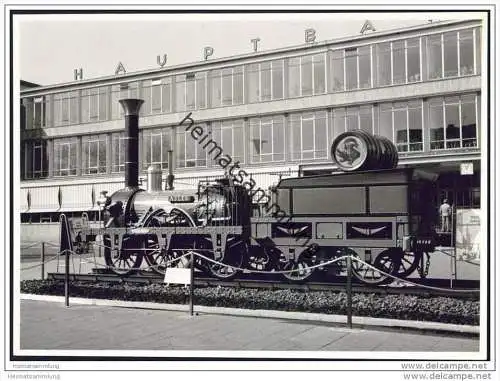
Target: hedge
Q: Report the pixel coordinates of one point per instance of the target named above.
(423, 308)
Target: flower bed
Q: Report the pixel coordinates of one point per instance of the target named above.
(424, 308)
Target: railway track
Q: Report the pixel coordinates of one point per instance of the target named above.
(461, 289)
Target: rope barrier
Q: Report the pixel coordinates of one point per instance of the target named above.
(30, 246)
(39, 264)
(195, 252)
(413, 283)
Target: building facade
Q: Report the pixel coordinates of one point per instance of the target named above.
(276, 112)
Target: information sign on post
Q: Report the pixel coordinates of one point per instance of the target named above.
(174, 275)
(466, 169)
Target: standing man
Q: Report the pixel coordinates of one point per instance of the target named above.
(445, 212)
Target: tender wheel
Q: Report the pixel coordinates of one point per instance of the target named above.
(408, 263)
(235, 252)
(371, 274)
(301, 268)
(126, 260)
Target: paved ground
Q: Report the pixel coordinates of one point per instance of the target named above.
(50, 325)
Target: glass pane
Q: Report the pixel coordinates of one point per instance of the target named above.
(469, 130)
(385, 124)
(307, 135)
(266, 142)
(180, 93)
(319, 73)
(338, 116)
(337, 66)
(434, 57)
(295, 121)
(227, 87)
(278, 139)
(265, 81)
(413, 59)
(238, 85)
(352, 122)
(398, 59)
(436, 125)
(253, 83)
(351, 61)
(201, 90)
(190, 92)
(478, 50)
(450, 54)
(166, 95)
(155, 98)
(400, 129)
(294, 77)
(365, 74)
(216, 88)
(277, 79)
(466, 52)
(306, 75)
(365, 119)
(384, 64)
(415, 128)
(320, 136)
(452, 122)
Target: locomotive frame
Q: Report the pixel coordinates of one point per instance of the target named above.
(372, 212)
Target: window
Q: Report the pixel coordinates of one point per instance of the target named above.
(337, 70)
(351, 64)
(352, 118)
(267, 139)
(398, 62)
(434, 57)
(413, 59)
(94, 104)
(365, 64)
(477, 40)
(155, 147)
(306, 75)
(229, 136)
(190, 153)
(35, 159)
(401, 122)
(384, 66)
(65, 157)
(65, 108)
(454, 122)
(310, 136)
(450, 51)
(36, 112)
(94, 154)
(265, 81)
(466, 49)
(118, 152)
(227, 86)
(156, 94)
(122, 91)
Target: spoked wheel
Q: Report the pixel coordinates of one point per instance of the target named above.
(375, 274)
(233, 257)
(408, 262)
(159, 258)
(126, 259)
(301, 268)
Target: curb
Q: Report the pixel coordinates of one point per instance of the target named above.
(305, 316)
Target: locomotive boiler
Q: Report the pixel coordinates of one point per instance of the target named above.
(372, 211)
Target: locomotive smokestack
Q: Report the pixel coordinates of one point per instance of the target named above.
(131, 108)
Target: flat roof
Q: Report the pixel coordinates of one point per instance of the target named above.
(171, 70)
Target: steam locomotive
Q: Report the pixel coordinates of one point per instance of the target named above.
(373, 211)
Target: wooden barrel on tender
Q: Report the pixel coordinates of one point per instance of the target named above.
(361, 151)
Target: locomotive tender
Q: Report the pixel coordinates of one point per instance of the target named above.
(373, 211)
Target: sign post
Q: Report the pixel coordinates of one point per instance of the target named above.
(185, 276)
(349, 292)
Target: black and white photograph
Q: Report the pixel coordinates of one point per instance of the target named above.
(258, 188)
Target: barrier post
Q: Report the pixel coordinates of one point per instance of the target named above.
(66, 278)
(43, 260)
(191, 286)
(349, 292)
